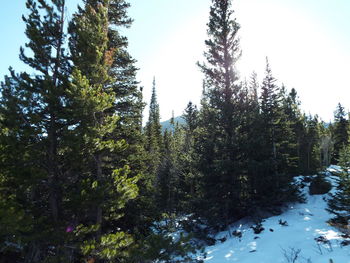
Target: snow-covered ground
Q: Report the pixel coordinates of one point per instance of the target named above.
(282, 244)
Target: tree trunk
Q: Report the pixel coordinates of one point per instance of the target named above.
(99, 208)
(52, 131)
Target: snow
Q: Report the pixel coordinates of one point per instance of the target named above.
(282, 244)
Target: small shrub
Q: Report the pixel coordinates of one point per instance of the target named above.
(345, 243)
(282, 223)
(258, 228)
(323, 240)
(342, 224)
(210, 241)
(345, 236)
(320, 186)
(339, 220)
(222, 240)
(237, 233)
(291, 255)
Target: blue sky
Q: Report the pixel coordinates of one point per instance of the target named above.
(307, 42)
(12, 34)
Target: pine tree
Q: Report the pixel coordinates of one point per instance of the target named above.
(250, 142)
(217, 139)
(34, 117)
(139, 213)
(101, 187)
(189, 177)
(168, 181)
(298, 125)
(153, 143)
(71, 145)
(191, 121)
(313, 148)
(128, 104)
(291, 118)
(340, 132)
(270, 100)
(326, 144)
(339, 204)
(113, 223)
(277, 149)
(153, 132)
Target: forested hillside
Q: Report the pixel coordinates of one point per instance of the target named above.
(83, 180)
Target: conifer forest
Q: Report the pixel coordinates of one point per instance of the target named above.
(85, 178)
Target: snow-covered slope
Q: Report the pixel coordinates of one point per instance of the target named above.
(283, 244)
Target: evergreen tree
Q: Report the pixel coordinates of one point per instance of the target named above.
(297, 121)
(169, 170)
(111, 146)
(339, 204)
(189, 176)
(190, 116)
(34, 117)
(312, 142)
(101, 187)
(140, 212)
(128, 104)
(326, 144)
(153, 132)
(292, 121)
(217, 139)
(71, 147)
(277, 151)
(340, 132)
(250, 143)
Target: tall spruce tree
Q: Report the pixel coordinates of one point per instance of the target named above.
(340, 132)
(312, 140)
(169, 170)
(34, 117)
(128, 104)
(139, 213)
(189, 176)
(339, 203)
(291, 106)
(277, 147)
(326, 144)
(110, 148)
(218, 137)
(250, 143)
(153, 132)
(291, 118)
(101, 186)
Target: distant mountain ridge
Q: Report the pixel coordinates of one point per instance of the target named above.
(166, 125)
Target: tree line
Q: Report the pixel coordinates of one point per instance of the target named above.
(82, 180)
